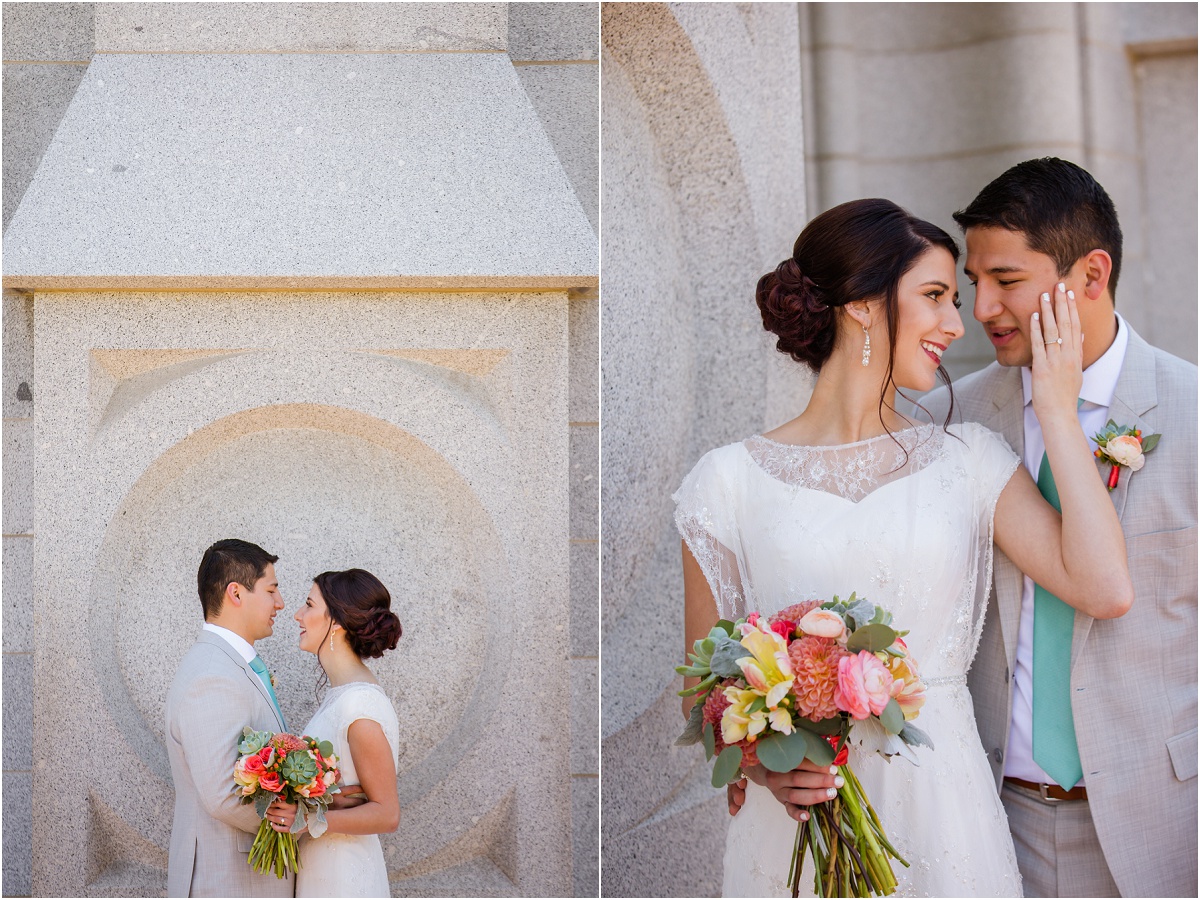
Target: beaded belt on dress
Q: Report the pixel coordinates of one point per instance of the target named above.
(952, 680)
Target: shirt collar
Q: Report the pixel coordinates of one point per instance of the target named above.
(1100, 378)
(236, 641)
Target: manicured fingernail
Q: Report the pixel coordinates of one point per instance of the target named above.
(1061, 286)
(1070, 295)
(803, 817)
(831, 793)
(1036, 316)
(833, 770)
(839, 781)
(1045, 298)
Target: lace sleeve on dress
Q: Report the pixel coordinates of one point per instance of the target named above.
(704, 515)
(992, 464)
(370, 702)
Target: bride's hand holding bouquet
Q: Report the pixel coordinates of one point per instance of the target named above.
(776, 694)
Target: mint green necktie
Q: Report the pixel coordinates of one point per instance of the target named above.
(260, 669)
(1054, 746)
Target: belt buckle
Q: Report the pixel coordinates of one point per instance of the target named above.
(1042, 789)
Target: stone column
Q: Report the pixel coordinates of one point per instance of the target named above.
(703, 191)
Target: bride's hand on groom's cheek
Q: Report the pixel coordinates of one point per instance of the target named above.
(797, 789)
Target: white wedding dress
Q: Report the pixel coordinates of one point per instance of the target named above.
(347, 865)
(910, 529)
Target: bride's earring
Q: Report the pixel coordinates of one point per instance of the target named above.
(866, 347)
(331, 640)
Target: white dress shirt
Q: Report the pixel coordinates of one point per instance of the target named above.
(236, 641)
(1099, 384)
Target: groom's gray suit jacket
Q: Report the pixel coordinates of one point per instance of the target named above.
(214, 695)
(1133, 679)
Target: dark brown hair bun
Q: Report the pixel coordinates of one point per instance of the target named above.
(359, 602)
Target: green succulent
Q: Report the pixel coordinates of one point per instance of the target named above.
(252, 741)
(299, 768)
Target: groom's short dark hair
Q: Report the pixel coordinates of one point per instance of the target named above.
(1061, 209)
(225, 562)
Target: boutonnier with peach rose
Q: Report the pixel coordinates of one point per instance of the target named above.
(1123, 447)
(810, 682)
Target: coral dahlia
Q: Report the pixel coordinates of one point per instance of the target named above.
(795, 612)
(815, 663)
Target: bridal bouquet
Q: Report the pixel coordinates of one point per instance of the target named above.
(776, 691)
(300, 770)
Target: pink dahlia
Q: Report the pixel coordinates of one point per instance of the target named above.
(815, 662)
(715, 705)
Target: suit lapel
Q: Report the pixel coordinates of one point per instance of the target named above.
(209, 638)
(1134, 397)
(1007, 418)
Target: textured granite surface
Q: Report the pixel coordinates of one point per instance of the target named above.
(49, 32)
(553, 31)
(299, 27)
(18, 594)
(35, 99)
(699, 199)
(567, 101)
(301, 166)
(288, 420)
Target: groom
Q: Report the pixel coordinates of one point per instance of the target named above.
(1118, 816)
(220, 687)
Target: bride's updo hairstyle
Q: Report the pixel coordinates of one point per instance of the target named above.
(856, 251)
(359, 602)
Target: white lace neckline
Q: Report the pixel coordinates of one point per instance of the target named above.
(850, 471)
(816, 447)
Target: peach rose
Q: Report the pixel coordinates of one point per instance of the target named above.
(822, 623)
(1126, 450)
(271, 782)
(907, 687)
(864, 685)
(315, 788)
(254, 765)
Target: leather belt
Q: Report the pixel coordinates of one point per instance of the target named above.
(1050, 791)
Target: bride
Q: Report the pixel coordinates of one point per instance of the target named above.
(851, 495)
(346, 618)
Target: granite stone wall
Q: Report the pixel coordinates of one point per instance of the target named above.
(703, 191)
(323, 277)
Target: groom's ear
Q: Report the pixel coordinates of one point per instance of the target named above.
(233, 594)
(1097, 267)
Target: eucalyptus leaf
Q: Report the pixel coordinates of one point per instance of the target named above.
(871, 638)
(892, 717)
(710, 741)
(325, 748)
(317, 825)
(300, 821)
(914, 736)
(261, 802)
(820, 752)
(695, 724)
(832, 725)
(725, 656)
(1149, 443)
(726, 767)
(783, 752)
